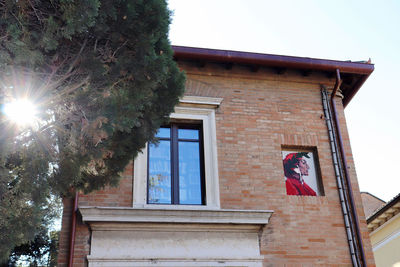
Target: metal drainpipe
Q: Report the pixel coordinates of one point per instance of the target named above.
(73, 230)
(346, 171)
(339, 179)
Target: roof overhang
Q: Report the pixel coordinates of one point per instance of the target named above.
(384, 214)
(354, 74)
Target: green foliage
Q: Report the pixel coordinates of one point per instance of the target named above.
(41, 251)
(103, 78)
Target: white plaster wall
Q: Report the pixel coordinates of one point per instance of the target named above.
(168, 237)
(174, 248)
(199, 245)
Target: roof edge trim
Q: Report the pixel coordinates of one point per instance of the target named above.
(215, 55)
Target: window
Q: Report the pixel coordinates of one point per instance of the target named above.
(200, 112)
(175, 166)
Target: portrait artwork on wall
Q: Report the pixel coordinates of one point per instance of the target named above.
(301, 172)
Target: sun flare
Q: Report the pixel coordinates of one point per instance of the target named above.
(21, 111)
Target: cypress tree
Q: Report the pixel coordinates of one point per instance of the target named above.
(102, 76)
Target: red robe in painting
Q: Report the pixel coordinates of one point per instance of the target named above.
(295, 187)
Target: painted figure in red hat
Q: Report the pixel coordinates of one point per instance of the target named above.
(295, 167)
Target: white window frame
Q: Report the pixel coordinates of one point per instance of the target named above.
(189, 108)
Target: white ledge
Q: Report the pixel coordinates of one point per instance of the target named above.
(178, 262)
(191, 216)
(201, 100)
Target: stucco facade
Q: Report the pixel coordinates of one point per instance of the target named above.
(250, 112)
(384, 227)
(386, 243)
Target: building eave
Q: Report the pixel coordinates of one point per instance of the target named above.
(357, 72)
(382, 215)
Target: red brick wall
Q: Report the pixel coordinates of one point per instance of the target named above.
(261, 112)
(63, 249)
(120, 196)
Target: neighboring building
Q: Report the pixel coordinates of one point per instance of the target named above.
(384, 228)
(371, 203)
(252, 132)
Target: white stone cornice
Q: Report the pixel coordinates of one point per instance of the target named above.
(175, 227)
(195, 216)
(165, 237)
(201, 100)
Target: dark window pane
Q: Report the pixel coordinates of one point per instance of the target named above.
(189, 173)
(188, 134)
(163, 133)
(159, 173)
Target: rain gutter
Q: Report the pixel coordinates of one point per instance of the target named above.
(345, 167)
(73, 231)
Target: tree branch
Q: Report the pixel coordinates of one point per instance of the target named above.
(77, 56)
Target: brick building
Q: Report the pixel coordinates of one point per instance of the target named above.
(214, 191)
(371, 203)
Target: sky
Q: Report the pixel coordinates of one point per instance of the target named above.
(339, 30)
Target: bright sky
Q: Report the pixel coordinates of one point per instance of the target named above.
(341, 30)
